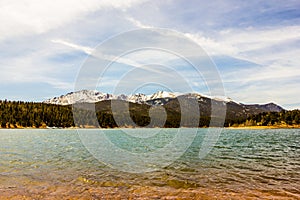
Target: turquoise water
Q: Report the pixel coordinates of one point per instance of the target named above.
(263, 160)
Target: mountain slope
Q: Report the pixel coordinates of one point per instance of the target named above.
(235, 110)
(87, 96)
(17, 114)
(93, 96)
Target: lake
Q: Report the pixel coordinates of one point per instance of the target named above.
(244, 164)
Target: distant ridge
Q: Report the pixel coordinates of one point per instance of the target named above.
(93, 96)
(144, 110)
(168, 100)
(158, 98)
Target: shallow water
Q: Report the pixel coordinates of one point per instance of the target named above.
(244, 164)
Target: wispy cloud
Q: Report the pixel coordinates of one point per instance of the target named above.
(137, 23)
(85, 49)
(36, 17)
(140, 59)
(256, 43)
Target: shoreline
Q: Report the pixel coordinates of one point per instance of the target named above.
(265, 127)
(139, 192)
(231, 127)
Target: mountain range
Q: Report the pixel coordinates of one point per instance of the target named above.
(93, 96)
(161, 109)
(169, 100)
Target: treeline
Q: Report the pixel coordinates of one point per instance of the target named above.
(17, 114)
(272, 119)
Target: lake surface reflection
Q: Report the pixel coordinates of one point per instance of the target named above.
(244, 164)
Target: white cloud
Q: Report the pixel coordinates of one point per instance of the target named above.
(35, 16)
(29, 69)
(262, 74)
(137, 23)
(85, 49)
(79, 25)
(211, 45)
(248, 44)
(139, 59)
(276, 53)
(243, 43)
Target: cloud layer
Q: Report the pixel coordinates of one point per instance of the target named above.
(255, 45)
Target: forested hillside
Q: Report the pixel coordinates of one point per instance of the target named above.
(16, 114)
(273, 119)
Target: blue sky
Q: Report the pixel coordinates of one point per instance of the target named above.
(255, 44)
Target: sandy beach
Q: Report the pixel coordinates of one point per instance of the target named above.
(135, 192)
(265, 127)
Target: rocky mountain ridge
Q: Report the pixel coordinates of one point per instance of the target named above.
(93, 96)
(234, 110)
(158, 98)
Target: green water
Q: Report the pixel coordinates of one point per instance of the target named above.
(240, 160)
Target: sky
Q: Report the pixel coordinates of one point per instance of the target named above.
(254, 44)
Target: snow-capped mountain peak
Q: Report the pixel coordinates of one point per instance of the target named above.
(89, 96)
(161, 95)
(137, 98)
(224, 99)
(158, 98)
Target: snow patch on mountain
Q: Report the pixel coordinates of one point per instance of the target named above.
(88, 96)
(158, 98)
(224, 99)
(137, 98)
(161, 95)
